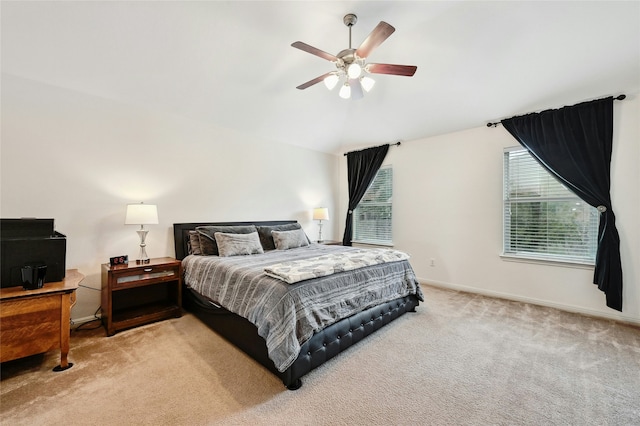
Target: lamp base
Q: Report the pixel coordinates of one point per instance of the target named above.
(142, 255)
(320, 240)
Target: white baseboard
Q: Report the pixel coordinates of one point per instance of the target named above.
(532, 300)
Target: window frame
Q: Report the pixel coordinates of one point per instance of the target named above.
(508, 253)
(360, 239)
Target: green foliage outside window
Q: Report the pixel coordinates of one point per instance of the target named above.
(372, 217)
(542, 218)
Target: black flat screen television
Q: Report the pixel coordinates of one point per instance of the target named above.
(29, 241)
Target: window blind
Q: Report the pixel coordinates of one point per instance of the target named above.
(372, 217)
(542, 218)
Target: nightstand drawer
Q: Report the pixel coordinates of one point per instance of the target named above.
(145, 276)
(330, 243)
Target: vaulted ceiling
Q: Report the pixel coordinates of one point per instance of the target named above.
(231, 64)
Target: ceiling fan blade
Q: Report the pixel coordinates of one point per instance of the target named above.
(406, 70)
(314, 51)
(379, 34)
(314, 81)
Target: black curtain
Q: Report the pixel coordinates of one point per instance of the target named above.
(362, 167)
(574, 144)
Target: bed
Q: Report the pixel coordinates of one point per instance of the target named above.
(289, 323)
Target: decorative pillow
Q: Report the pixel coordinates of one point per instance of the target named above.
(238, 244)
(266, 239)
(206, 234)
(194, 243)
(208, 246)
(285, 240)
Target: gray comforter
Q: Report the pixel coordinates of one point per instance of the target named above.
(287, 315)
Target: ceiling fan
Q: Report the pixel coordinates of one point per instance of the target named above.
(351, 67)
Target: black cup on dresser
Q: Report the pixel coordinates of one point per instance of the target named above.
(33, 275)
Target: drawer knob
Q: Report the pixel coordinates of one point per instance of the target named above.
(148, 269)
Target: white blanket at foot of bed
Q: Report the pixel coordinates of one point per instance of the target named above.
(328, 264)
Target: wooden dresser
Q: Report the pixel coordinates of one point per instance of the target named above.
(37, 321)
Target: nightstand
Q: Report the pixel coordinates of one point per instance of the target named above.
(330, 242)
(133, 295)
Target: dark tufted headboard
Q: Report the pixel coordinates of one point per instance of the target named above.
(181, 232)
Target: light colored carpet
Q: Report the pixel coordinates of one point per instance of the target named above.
(462, 359)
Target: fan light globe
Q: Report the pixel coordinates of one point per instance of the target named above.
(367, 83)
(354, 70)
(331, 81)
(345, 91)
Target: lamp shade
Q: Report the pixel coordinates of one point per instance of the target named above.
(354, 70)
(367, 83)
(141, 214)
(345, 91)
(331, 81)
(321, 213)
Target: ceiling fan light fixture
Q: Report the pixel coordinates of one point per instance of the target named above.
(367, 83)
(331, 81)
(351, 67)
(354, 70)
(345, 91)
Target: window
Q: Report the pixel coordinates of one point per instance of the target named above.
(542, 218)
(372, 217)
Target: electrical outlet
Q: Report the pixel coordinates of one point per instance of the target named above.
(432, 262)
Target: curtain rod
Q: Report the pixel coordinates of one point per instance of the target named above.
(617, 98)
(391, 144)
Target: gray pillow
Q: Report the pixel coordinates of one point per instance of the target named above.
(285, 240)
(208, 245)
(266, 239)
(238, 244)
(194, 243)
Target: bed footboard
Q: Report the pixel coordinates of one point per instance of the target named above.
(320, 348)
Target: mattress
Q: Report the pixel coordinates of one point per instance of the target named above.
(287, 315)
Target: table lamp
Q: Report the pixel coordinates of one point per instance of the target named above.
(320, 214)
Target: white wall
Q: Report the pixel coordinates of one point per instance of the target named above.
(448, 206)
(80, 159)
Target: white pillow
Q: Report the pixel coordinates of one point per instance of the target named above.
(238, 244)
(285, 240)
